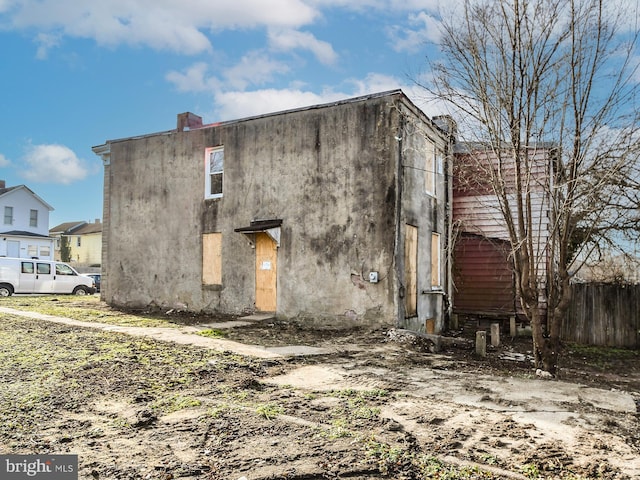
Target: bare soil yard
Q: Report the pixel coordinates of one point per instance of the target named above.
(369, 404)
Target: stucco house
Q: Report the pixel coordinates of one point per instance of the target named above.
(335, 213)
(25, 225)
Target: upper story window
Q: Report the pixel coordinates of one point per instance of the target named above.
(8, 215)
(214, 163)
(79, 241)
(33, 218)
(430, 170)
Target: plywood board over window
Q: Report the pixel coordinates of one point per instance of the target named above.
(212, 259)
(435, 261)
(411, 270)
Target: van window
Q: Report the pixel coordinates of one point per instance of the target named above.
(27, 267)
(62, 269)
(44, 268)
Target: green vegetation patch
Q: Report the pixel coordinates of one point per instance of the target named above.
(48, 367)
(87, 309)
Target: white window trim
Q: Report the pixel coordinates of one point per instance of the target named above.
(207, 173)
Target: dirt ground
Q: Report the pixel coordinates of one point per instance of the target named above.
(368, 404)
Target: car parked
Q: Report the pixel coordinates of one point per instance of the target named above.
(96, 278)
(29, 275)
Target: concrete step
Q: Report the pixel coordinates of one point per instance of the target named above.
(259, 317)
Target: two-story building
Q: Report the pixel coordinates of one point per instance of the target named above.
(25, 224)
(331, 213)
(81, 241)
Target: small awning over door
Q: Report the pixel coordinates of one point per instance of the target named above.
(270, 227)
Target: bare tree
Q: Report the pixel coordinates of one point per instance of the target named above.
(552, 76)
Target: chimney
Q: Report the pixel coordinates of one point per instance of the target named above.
(3, 184)
(447, 124)
(188, 121)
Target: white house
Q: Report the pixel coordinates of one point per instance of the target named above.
(24, 231)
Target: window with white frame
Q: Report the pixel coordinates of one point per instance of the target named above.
(8, 215)
(214, 164)
(32, 251)
(33, 218)
(45, 251)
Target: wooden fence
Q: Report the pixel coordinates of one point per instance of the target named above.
(605, 315)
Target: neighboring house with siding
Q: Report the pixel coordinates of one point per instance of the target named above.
(334, 213)
(61, 233)
(84, 242)
(25, 224)
(483, 267)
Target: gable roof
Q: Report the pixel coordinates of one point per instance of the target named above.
(7, 190)
(89, 228)
(67, 227)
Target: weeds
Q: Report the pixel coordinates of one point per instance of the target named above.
(269, 410)
(211, 333)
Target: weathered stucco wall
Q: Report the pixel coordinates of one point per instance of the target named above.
(329, 173)
(429, 212)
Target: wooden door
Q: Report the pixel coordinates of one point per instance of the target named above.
(266, 273)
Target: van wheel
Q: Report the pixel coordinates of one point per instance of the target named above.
(80, 291)
(5, 290)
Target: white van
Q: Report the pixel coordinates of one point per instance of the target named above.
(25, 275)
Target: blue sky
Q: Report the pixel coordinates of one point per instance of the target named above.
(76, 73)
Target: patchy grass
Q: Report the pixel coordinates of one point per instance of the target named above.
(269, 410)
(47, 367)
(87, 309)
(602, 358)
(211, 333)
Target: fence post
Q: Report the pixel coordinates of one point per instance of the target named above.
(481, 343)
(495, 334)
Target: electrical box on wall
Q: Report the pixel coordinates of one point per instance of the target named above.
(373, 277)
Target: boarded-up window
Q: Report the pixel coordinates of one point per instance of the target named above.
(212, 259)
(436, 282)
(411, 270)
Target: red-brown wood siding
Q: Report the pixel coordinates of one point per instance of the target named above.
(483, 277)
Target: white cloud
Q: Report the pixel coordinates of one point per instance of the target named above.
(238, 104)
(4, 161)
(46, 42)
(194, 79)
(255, 68)
(53, 164)
(232, 105)
(287, 40)
(159, 24)
(383, 5)
(412, 40)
